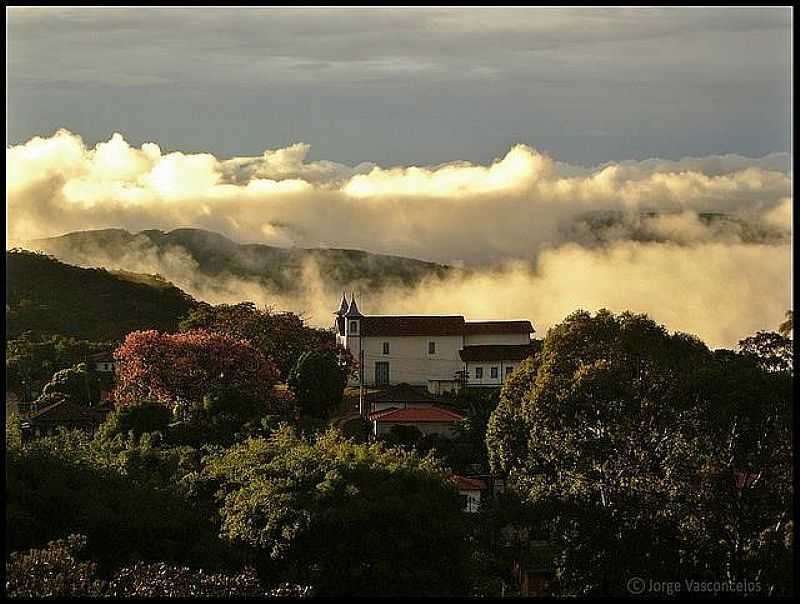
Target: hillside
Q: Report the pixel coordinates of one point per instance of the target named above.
(48, 297)
(212, 255)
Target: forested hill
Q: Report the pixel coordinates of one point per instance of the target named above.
(47, 297)
(212, 255)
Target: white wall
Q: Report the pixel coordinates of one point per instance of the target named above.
(509, 338)
(487, 372)
(409, 360)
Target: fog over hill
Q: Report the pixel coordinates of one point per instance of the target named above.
(701, 244)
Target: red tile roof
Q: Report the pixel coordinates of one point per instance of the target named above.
(468, 484)
(498, 352)
(416, 415)
(478, 328)
(446, 325)
(66, 412)
(412, 326)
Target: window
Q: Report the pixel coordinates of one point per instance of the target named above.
(381, 373)
(354, 326)
(494, 373)
(509, 370)
(431, 347)
(386, 348)
(479, 373)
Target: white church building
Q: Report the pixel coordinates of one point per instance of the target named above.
(439, 352)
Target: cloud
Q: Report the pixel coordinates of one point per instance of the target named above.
(703, 244)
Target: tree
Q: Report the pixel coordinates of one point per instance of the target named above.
(282, 337)
(142, 418)
(629, 441)
(346, 518)
(129, 497)
(787, 327)
(318, 380)
(78, 384)
(184, 368)
(772, 351)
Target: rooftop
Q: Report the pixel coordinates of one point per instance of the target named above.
(402, 393)
(416, 415)
(498, 352)
(438, 325)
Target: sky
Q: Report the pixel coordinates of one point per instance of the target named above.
(403, 86)
(491, 139)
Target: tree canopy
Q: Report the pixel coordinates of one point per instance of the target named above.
(349, 518)
(630, 440)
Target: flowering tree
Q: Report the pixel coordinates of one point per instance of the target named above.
(185, 367)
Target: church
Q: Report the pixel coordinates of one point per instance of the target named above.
(442, 353)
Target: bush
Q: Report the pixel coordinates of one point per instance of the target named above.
(52, 572)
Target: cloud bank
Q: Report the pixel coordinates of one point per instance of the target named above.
(701, 244)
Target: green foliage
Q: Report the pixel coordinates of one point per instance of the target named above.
(629, 443)
(282, 337)
(129, 497)
(47, 297)
(347, 518)
(78, 384)
(318, 382)
(32, 361)
(142, 418)
(13, 430)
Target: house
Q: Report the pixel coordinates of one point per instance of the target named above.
(66, 414)
(426, 350)
(471, 489)
(103, 362)
(489, 365)
(428, 419)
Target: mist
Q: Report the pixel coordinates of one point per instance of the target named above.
(702, 245)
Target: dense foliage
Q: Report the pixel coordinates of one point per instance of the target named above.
(46, 297)
(283, 337)
(348, 518)
(318, 380)
(184, 367)
(58, 571)
(31, 361)
(647, 455)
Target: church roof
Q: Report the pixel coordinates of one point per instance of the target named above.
(353, 310)
(342, 307)
(442, 325)
(413, 326)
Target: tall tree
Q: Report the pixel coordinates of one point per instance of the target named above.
(318, 380)
(347, 518)
(619, 433)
